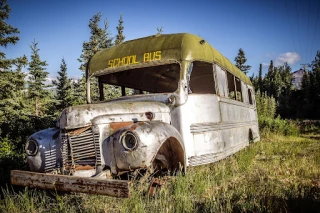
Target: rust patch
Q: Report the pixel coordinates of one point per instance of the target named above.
(118, 125)
(81, 167)
(78, 131)
(115, 188)
(133, 127)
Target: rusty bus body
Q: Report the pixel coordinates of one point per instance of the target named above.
(195, 107)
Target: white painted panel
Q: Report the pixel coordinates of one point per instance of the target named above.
(222, 81)
(244, 90)
(208, 142)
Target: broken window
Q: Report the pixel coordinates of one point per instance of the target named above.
(238, 89)
(202, 79)
(231, 86)
(250, 96)
(222, 81)
(234, 86)
(155, 79)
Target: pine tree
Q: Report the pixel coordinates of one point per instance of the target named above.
(305, 100)
(37, 79)
(7, 35)
(260, 80)
(254, 81)
(315, 86)
(100, 39)
(78, 91)
(13, 107)
(257, 81)
(315, 68)
(272, 82)
(241, 60)
(269, 78)
(12, 84)
(64, 93)
(285, 108)
(120, 37)
(315, 64)
(286, 76)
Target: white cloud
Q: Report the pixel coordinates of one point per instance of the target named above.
(47, 82)
(290, 57)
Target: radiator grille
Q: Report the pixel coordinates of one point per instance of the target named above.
(65, 151)
(82, 148)
(97, 148)
(50, 160)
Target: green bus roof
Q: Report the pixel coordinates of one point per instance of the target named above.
(168, 47)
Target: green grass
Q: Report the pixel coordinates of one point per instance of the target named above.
(277, 174)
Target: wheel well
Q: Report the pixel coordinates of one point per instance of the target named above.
(170, 156)
(250, 136)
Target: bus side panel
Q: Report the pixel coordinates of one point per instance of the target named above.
(241, 115)
(214, 140)
(190, 118)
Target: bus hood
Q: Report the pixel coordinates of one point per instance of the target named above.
(84, 115)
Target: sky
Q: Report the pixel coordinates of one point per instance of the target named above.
(278, 30)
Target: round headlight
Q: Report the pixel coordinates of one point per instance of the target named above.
(32, 147)
(129, 141)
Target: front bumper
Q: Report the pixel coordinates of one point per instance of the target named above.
(114, 188)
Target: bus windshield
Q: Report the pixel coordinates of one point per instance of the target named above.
(153, 79)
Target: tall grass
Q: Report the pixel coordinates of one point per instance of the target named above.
(268, 122)
(268, 125)
(277, 174)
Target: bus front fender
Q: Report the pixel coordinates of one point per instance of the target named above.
(144, 145)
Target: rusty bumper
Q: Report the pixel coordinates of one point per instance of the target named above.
(115, 188)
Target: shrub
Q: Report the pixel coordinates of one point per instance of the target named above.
(277, 126)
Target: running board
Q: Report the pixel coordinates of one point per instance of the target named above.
(110, 187)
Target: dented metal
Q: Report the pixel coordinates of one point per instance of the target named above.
(198, 123)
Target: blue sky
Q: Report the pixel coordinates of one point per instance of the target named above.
(278, 30)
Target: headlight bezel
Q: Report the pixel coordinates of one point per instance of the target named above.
(126, 141)
(31, 151)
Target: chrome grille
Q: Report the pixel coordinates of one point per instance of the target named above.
(50, 160)
(65, 151)
(82, 147)
(97, 148)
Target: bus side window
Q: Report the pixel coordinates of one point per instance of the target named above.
(250, 96)
(244, 90)
(221, 81)
(202, 79)
(234, 86)
(231, 86)
(238, 89)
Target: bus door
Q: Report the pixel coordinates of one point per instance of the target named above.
(204, 111)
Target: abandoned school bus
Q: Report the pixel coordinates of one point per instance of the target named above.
(191, 106)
